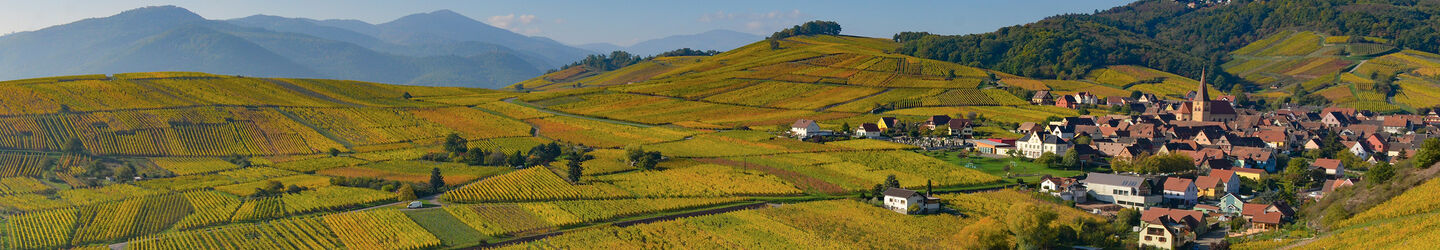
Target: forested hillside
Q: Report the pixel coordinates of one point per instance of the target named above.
(1171, 36)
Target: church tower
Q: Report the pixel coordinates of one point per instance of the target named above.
(1200, 104)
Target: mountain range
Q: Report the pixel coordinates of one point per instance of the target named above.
(721, 40)
(440, 48)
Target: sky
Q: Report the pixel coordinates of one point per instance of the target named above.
(591, 21)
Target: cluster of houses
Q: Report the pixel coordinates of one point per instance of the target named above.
(1226, 145)
(957, 127)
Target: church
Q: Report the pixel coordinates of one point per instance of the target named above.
(1202, 109)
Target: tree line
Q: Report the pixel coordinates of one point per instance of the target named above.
(1171, 37)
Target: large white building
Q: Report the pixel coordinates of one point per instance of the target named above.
(1181, 191)
(1123, 190)
(903, 200)
(1036, 143)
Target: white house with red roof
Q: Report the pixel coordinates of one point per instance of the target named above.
(1180, 191)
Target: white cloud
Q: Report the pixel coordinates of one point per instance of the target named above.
(517, 23)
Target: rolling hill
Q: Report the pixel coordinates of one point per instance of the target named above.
(719, 40)
(834, 79)
(170, 38)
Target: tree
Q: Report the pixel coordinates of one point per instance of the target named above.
(292, 189)
(437, 182)
(406, 192)
(1082, 140)
(774, 44)
(475, 156)
(1071, 159)
(950, 75)
(892, 182)
(646, 163)
(1048, 159)
(575, 169)
(1031, 226)
(929, 187)
(334, 152)
(845, 128)
(125, 173)
(1296, 176)
(407, 96)
(1429, 153)
(1380, 173)
(1127, 218)
(455, 144)
(1136, 94)
(516, 160)
(878, 191)
(496, 158)
(74, 146)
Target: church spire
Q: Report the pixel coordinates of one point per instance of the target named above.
(1202, 95)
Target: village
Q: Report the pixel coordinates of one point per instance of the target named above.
(1197, 170)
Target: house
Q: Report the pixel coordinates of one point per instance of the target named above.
(1250, 173)
(868, 130)
(1231, 204)
(1395, 124)
(1180, 192)
(1067, 101)
(1218, 183)
(1065, 188)
(1148, 98)
(1332, 167)
(1123, 190)
(936, 121)
(1170, 228)
(1036, 144)
(887, 123)
(961, 127)
(1027, 128)
(804, 128)
(992, 147)
(1064, 132)
(1266, 216)
(1040, 98)
(906, 201)
(1358, 149)
(1334, 119)
(1086, 98)
(1331, 185)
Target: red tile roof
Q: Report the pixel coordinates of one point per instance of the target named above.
(1177, 184)
(1331, 164)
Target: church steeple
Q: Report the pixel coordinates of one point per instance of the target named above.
(1202, 95)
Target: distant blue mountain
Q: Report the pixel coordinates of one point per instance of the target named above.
(721, 40)
(440, 48)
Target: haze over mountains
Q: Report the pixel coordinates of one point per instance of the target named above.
(721, 40)
(440, 48)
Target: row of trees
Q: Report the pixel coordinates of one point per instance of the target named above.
(455, 147)
(1168, 36)
(810, 28)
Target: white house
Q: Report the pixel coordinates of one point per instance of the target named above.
(1332, 167)
(961, 127)
(1358, 149)
(901, 200)
(1123, 190)
(1066, 188)
(1036, 144)
(1064, 132)
(1180, 191)
(805, 128)
(868, 130)
(1086, 98)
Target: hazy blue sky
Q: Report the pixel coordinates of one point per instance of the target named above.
(619, 22)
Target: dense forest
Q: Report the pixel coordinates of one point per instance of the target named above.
(1172, 36)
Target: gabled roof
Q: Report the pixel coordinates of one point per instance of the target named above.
(1044, 138)
(899, 192)
(802, 123)
(1177, 184)
(959, 123)
(870, 127)
(1330, 164)
(1114, 180)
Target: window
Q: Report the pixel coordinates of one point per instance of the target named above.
(1162, 239)
(1147, 238)
(1153, 231)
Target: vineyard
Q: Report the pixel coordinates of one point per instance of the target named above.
(531, 184)
(538, 217)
